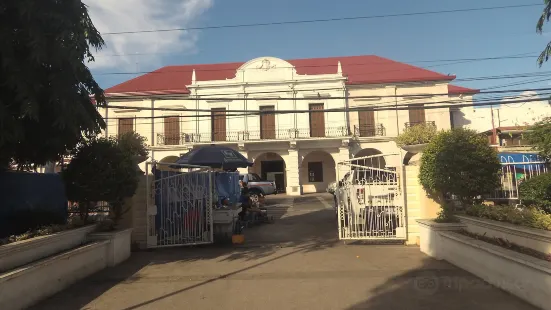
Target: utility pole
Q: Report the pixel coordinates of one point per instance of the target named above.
(494, 134)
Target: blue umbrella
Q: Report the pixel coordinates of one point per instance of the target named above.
(215, 156)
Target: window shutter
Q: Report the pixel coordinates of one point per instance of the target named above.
(317, 120)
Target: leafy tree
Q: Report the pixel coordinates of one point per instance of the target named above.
(418, 134)
(545, 15)
(45, 85)
(100, 171)
(459, 162)
(132, 143)
(539, 135)
(536, 192)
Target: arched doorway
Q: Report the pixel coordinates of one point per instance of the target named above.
(271, 166)
(167, 160)
(317, 172)
(375, 162)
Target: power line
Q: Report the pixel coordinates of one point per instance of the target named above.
(432, 105)
(325, 20)
(256, 113)
(338, 98)
(455, 61)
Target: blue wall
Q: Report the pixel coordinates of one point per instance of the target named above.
(28, 200)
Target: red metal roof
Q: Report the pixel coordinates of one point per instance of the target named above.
(458, 90)
(367, 69)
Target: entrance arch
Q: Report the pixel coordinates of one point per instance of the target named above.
(317, 172)
(377, 162)
(271, 166)
(170, 160)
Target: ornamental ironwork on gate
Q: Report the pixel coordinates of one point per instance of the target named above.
(370, 198)
(180, 205)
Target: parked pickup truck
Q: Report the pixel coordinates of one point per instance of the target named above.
(257, 186)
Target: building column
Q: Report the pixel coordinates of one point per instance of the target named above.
(344, 154)
(243, 151)
(292, 171)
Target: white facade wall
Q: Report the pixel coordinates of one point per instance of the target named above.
(505, 115)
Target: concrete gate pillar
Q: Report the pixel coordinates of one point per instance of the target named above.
(344, 154)
(419, 204)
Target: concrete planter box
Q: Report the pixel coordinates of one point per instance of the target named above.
(536, 239)
(526, 277)
(414, 148)
(20, 253)
(119, 246)
(429, 235)
(25, 286)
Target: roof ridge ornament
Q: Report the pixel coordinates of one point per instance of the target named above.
(339, 68)
(266, 65)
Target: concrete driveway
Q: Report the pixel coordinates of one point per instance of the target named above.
(295, 263)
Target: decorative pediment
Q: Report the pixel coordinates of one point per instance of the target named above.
(266, 69)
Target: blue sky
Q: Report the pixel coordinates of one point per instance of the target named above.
(409, 39)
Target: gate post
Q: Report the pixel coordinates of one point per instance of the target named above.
(419, 204)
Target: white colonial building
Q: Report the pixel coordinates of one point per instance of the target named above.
(178, 108)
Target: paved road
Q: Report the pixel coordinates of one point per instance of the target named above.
(295, 263)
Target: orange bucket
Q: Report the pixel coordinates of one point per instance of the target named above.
(238, 239)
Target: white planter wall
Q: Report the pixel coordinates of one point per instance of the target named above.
(526, 277)
(536, 239)
(429, 236)
(119, 246)
(19, 253)
(27, 285)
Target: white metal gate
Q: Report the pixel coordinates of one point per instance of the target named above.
(370, 198)
(180, 203)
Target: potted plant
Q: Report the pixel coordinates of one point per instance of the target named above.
(415, 138)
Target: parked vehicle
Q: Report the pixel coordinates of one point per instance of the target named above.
(368, 200)
(258, 187)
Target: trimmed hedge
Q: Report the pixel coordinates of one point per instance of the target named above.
(536, 192)
(528, 216)
(459, 162)
(418, 134)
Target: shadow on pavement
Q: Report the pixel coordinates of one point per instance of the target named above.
(304, 232)
(439, 285)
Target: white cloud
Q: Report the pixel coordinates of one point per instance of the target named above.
(132, 15)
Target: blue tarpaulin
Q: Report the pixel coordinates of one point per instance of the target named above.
(227, 186)
(30, 199)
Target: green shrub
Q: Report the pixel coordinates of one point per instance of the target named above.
(418, 134)
(132, 144)
(527, 216)
(100, 171)
(446, 215)
(461, 163)
(539, 135)
(536, 191)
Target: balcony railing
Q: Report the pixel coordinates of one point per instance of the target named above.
(250, 135)
(176, 139)
(377, 130)
(427, 123)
